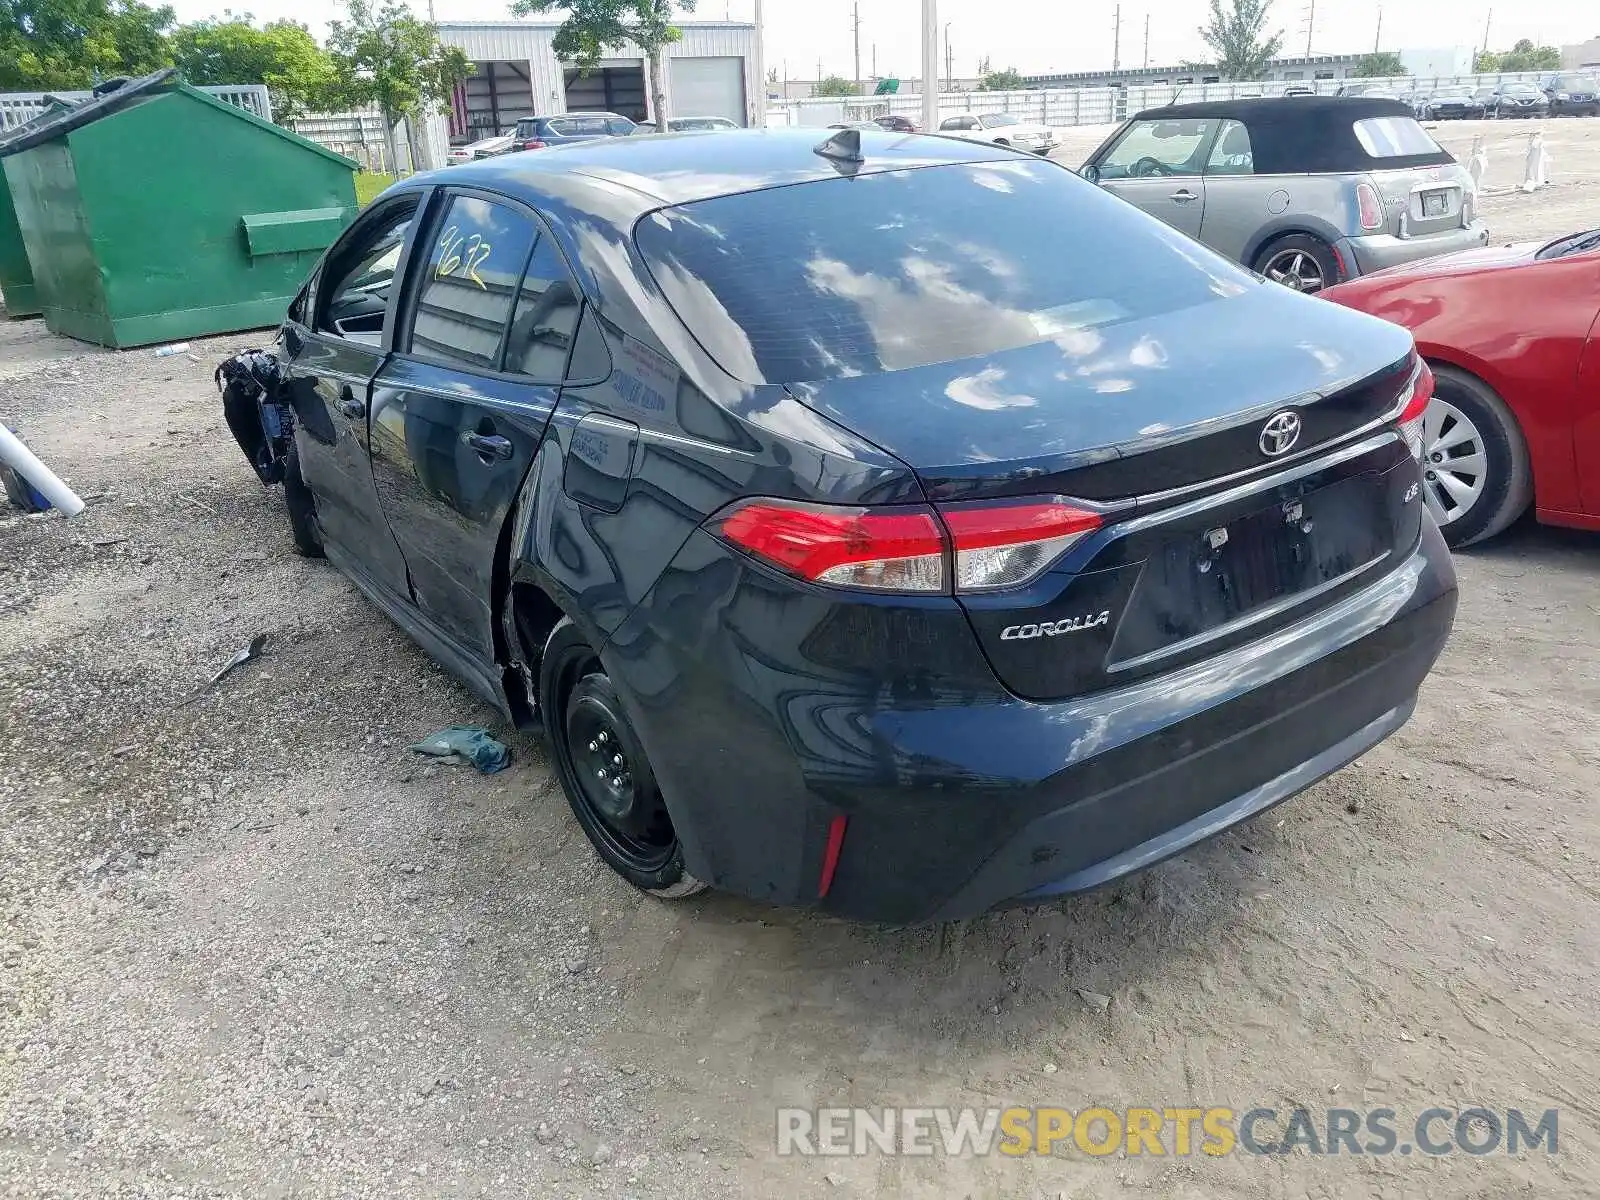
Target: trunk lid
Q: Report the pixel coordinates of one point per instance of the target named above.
(1159, 424)
(1422, 200)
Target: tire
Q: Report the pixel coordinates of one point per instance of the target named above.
(1298, 256)
(1465, 420)
(302, 506)
(621, 812)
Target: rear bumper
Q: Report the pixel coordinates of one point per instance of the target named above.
(1375, 252)
(961, 798)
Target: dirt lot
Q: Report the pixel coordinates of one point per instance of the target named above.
(250, 945)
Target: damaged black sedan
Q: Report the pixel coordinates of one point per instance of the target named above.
(898, 525)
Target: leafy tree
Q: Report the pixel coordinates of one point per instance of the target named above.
(1525, 56)
(772, 74)
(1486, 63)
(833, 85)
(59, 45)
(1385, 65)
(1237, 34)
(1001, 81)
(387, 57)
(283, 55)
(594, 26)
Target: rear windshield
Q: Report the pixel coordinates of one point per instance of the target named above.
(1394, 137)
(899, 269)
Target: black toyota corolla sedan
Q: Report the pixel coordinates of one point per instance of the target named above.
(899, 525)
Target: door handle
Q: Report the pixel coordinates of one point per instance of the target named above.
(487, 445)
(349, 405)
(1183, 196)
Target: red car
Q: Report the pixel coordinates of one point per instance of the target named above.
(1513, 336)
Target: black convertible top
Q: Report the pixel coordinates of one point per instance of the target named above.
(1295, 134)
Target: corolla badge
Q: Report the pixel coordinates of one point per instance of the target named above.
(1279, 434)
(1018, 633)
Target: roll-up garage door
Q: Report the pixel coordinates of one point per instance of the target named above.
(708, 87)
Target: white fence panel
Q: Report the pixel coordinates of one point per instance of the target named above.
(18, 108)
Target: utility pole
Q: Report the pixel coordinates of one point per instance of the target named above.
(949, 61)
(1486, 21)
(1147, 39)
(760, 121)
(1378, 37)
(874, 62)
(856, 22)
(930, 65)
(1116, 40)
(1311, 24)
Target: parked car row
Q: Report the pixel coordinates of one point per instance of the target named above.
(1572, 94)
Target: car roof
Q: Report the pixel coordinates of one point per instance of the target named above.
(1272, 108)
(679, 168)
(1305, 134)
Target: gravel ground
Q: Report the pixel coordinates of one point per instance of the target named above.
(251, 946)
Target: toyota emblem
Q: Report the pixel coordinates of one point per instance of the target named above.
(1279, 434)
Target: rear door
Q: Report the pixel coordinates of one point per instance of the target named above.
(332, 357)
(460, 408)
(1157, 166)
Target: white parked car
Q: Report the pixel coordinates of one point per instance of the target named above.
(1002, 129)
(483, 148)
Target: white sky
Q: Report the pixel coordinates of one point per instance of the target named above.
(1042, 35)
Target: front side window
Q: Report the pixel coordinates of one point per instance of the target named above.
(548, 304)
(467, 290)
(1152, 148)
(363, 276)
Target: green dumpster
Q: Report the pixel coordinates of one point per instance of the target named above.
(154, 213)
(16, 276)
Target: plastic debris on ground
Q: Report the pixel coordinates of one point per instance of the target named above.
(250, 652)
(460, 744)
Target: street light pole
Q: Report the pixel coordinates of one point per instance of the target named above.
(930, 65)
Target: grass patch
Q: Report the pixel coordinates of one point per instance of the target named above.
(369, 184)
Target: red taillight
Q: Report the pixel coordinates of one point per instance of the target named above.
(1003, 545)
(1415, 397)
(1371, 207)
(885, 549)
(993, 545)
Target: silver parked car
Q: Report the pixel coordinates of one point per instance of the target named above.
(1308, 191)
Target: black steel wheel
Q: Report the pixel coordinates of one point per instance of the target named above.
(604, 770)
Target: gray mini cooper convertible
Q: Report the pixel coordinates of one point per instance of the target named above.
(1308, 191)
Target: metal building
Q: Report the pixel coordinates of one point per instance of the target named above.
(711, 72)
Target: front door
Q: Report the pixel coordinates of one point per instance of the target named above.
(1159, 166)
(459, 410)
(332, 355)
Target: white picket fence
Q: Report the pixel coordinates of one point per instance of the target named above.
(1097, 106)
(18, 108)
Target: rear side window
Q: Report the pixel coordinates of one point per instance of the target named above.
(902, 268)
(470, 283)
(1394, 137)
(573, 126)
(547, 315)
